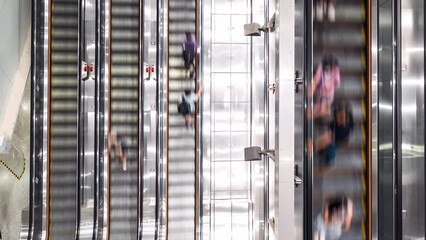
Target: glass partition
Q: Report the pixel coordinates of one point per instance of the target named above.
(232, 120)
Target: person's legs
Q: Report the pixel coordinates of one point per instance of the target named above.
(124, 160)
(122, 155)
(191, 70)
(187, 119)
(323, 141)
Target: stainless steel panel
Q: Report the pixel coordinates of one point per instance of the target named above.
(374, 118)
(240, 180)
(412, 119)
(222, 177)
(207, 151)
(240, 87)
(299, 110)
(236, 28)
(240, 119)
(150, 120)
(221, 146)
(257, 117)
(103, 120)
(240, 140)
(161, 126)
(221, 58)
(221, 6)
(87, 175)
(221, 87)
(385, 164)
(239, 53)
(222, 116)
(221, 28)
(240, 7)
(240, 221)
(222, 213)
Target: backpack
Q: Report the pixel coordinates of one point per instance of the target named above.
(184, 107)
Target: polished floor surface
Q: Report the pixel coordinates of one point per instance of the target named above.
(14, 192)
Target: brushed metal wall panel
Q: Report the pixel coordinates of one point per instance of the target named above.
(412, 119)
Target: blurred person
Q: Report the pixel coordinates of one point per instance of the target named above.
(321, 93)
(117, 148)
(335, 219)
(326, 80)
(327, 8)
(337, 133)
(189, 49)
(343, 123)
(186, 105)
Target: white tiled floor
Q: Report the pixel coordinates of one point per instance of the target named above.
(14, 193)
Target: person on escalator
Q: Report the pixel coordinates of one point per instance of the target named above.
(338, 133)
(186, 105)
(117, 148)
(321, 93)
(329, 6)
(189, 49)
(335, 219)
(326, 80)
(343, 123)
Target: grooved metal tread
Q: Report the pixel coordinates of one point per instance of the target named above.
(63, 119)
(124, 110)
(181, 141)
(346, 39)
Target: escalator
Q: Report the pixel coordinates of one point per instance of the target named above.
(64, 120)
(181, 140)
(346, 38)
(124, 112)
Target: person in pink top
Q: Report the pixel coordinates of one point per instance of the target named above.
(321, 91)
(326, 80)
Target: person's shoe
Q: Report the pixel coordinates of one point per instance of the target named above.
(187, 124)
(331, 12)
(124, 165)
(319, 12)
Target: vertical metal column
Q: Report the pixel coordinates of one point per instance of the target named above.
(266, 124)
(38, 129)
(396, 106)
(308, 159)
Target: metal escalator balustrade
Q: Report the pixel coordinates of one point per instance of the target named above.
(64, 124)
(181, 140)
(124, 117)
(346, 40)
